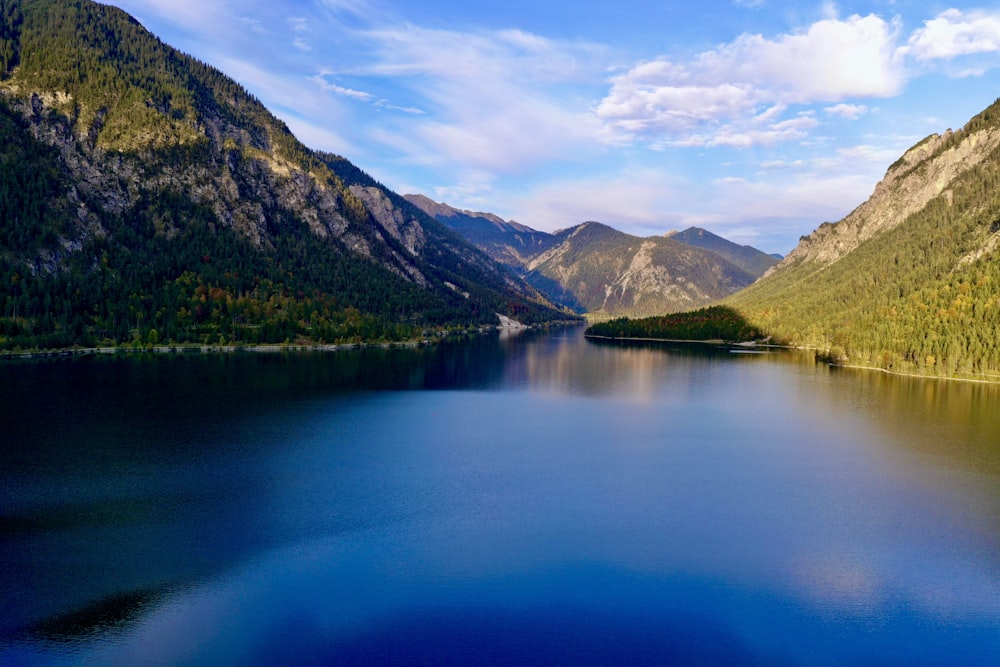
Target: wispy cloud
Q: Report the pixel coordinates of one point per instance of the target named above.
(253, 24)
(493, 100)
(782, 164)
(324, 84)
(384, 104)
(632, 200)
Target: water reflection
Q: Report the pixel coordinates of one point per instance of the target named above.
(946, 420)
(493, 500)
(567, 363)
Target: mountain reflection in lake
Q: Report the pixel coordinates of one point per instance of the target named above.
(531, 499)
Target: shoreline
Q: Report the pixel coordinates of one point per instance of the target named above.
(746, 345)
(265, 348)
(831, 364)
(913, 375)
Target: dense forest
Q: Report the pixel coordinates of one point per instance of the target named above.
(921, 298)
(146, 198)
(714, 323)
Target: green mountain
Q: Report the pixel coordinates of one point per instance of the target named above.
(145, 196)
(746, 257)
(592, 268)
(908, 282)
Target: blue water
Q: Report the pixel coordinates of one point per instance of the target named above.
(532, 500)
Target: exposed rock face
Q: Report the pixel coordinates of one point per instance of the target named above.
(509, 323)
(921, 174)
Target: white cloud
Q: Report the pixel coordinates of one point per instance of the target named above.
(955, 33)
(731, 95)
(848, 111)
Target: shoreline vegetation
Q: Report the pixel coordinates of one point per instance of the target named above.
(508, 328)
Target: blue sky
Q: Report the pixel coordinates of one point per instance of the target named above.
(755, 119)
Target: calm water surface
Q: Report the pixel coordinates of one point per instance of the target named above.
(537, 499)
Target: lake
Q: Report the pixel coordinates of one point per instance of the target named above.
(531, 499)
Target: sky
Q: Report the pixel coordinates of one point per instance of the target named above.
(755, 119)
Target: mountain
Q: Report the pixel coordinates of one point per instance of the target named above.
(145, 196)
(595, 269)
(610, 273)
(510, 243)
(746, 257)
(910, 280)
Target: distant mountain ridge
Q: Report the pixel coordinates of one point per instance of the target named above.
(145, 196)
(595, 269)
(507, 242)
(746, 257)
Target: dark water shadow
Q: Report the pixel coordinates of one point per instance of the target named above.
(115, 614)
(549, 637)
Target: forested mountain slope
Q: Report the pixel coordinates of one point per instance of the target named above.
(910, 280)
(595, 269)
(145, 196)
